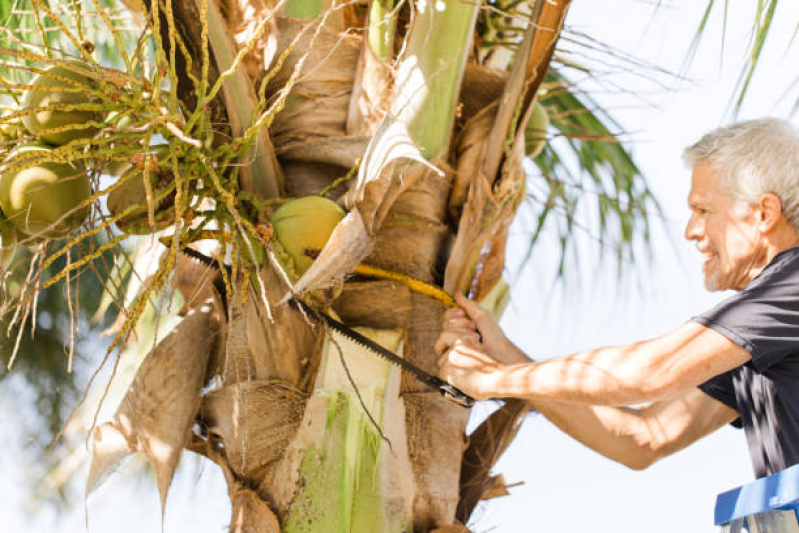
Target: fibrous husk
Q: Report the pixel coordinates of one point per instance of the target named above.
(435, 429)
(255, 420)
(484, 223)
(495, 488)
(486, 445)
(340, 151)
(364, 304)
(194, 279)
(158, 411)
(471, 146)
(250, 514)
(317, 104)
(398, 235)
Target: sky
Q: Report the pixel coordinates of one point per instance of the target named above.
(565, 487)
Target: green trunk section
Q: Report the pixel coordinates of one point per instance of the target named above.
(342, 470)
(382, 27)
(429, 77)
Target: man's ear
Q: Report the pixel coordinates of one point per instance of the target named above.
(770, 211)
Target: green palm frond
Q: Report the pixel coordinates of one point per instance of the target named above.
(586, 167)
(760, 31)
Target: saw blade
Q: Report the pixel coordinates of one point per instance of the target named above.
(448, 391)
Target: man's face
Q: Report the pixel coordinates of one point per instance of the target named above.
(726, 234)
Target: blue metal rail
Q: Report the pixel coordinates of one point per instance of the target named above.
(766, 505)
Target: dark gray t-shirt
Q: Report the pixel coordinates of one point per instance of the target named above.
(763, 319)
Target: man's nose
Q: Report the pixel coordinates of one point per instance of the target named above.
(693, 229)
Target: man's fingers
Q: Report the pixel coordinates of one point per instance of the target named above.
(450, 338)
(454, 312)
(460, 323)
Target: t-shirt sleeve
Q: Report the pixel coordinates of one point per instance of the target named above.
(763, 318)
(721, 388)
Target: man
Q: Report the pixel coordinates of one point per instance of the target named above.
(736, 363)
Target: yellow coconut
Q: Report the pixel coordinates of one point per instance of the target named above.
(131, 194)
(47, 94)
(535, 132)
(303, 226)
(35, 198)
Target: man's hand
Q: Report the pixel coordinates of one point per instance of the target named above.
(467, 367)
(473, 325)
(473, 350)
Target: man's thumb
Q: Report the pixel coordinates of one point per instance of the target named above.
(472, 308)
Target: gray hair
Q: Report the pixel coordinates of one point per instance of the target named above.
(753, 158)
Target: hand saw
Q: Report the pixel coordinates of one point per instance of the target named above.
(448, 391)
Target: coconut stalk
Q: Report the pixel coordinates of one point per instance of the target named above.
(262, 175)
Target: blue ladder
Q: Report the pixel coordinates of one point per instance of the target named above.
(766, 505)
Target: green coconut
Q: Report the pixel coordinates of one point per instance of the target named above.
(41, 122)
(304, 225)
(131, 194)
(35, 198)
(8, 241)
(535, 132)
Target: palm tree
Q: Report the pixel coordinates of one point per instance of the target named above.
(414, 116)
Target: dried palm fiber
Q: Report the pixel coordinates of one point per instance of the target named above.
(314, 115)
(250, 514)
(413, 234)
(341, 151)
(266, 343)
(375, 304)
(372, 94)
(435, 429)
(470, 150)
(317, 103)
(255, 421)
(478, 255)
(486, 445)
(172, 375)
(495, 488)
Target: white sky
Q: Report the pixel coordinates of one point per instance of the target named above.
(567, 488)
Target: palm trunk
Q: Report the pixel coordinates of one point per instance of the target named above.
(313, 433)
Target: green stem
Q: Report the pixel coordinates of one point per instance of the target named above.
(263, 175)
(382, 27)
(429, 77)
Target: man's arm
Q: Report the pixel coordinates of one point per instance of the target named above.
(639, 437)
(640, 372)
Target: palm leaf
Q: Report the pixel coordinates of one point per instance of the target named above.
(587, 164)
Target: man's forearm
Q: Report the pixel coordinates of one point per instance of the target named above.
(618, 433)
(606, 376)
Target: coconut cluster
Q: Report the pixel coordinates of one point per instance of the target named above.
(47, 200)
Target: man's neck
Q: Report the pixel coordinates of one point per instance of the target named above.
(783, 238)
